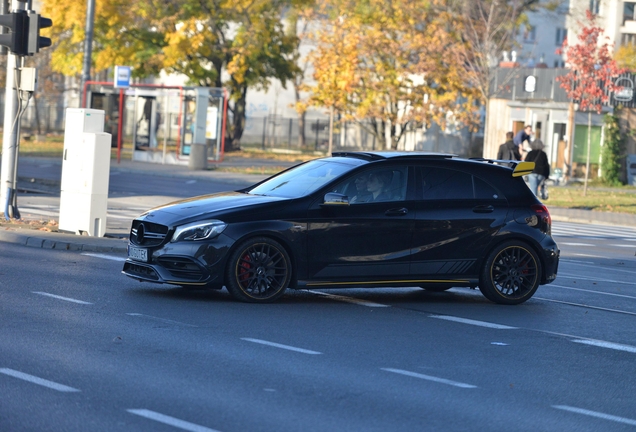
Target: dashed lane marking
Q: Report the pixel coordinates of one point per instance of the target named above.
(107, 257)
(171, 421)
(72, 300)
(596, 414)
(430, 378)
(37, 380)
(277, 345)
(473, 322)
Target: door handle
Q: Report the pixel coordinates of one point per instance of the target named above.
(397, 212)
(483, 209)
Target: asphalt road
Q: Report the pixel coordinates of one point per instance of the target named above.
(84, 348)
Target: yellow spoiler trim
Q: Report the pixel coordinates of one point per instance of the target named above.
(523, 168)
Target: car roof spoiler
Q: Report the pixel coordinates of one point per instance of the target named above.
(519, 168)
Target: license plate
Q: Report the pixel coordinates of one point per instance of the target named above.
(138, 254)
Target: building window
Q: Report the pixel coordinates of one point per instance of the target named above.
(628, 39)
(595, 6)
(561, 34)
(530, 34)
(628, 11)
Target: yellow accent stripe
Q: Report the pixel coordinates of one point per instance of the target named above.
(393, 281)
(523, 168)
(185, 283)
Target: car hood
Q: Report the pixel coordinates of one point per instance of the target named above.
(212, 206)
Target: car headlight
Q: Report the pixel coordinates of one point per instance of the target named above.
(198, 230)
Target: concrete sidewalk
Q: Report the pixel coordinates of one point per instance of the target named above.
(64, 241)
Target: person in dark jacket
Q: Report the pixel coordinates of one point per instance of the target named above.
(509, 150)
(541, 165)
(524, 135)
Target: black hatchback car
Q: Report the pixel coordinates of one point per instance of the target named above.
(380, 219)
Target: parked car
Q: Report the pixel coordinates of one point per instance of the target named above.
(377, 219)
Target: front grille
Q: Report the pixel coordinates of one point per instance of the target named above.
(147, 234)
(182, 268)
(142, 271)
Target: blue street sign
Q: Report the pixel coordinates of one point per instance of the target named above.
(122, 77)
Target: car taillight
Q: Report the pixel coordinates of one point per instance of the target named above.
(544, 215)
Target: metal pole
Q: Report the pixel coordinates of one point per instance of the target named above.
(88, 46)
(10, 136)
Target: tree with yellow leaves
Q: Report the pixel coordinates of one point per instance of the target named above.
(387, 65)
(201, 39)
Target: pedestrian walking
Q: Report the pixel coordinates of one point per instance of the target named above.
(509, 150)
(541, 165)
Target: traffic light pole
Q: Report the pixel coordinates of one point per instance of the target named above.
(8, 175)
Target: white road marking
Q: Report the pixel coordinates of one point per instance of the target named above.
(163, 320)
(348, 299)
(473, 322)
(585, 306)
(594, 292)
(603, 344)
(277, 345)
(588, 256)
(576, 244)
(37, 380)
(614, 269)
(108, 257)
(499, 343)
(593, 279)
(190, 182)
(623, 245)
(430, 378)
(62, 298)
(578, 262)
(596, 414)
(171, 421)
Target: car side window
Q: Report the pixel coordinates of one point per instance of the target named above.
(484, 190)
(447, 184)
(375, 185)
(440, 183)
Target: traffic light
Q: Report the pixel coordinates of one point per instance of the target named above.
(16, 39)
(36, 23)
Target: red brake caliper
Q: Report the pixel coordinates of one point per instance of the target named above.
(244, 271)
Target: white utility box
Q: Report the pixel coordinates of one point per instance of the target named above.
(85, 173)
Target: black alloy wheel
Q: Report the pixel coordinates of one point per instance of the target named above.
(259, 271)
(511, 273)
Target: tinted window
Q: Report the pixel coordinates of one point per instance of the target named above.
(375, 185)
(485, 191)
(302, 180)
(439, 183)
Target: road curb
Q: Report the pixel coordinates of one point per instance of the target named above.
(58, 241)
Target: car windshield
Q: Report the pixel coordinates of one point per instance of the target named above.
(302, 180)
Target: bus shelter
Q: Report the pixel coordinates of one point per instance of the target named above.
(167, 124)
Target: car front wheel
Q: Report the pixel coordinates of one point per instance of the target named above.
(259, 271)
(511, 273)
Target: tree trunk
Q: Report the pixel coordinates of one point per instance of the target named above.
(301, 120)
(37, 114)
(239, 120)
(589, 142)
(301, 130)
(567, 159)
(330, 131)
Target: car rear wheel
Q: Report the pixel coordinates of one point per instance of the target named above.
(259, 271)
(511, 273)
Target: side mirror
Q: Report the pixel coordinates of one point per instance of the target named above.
(333, 198)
